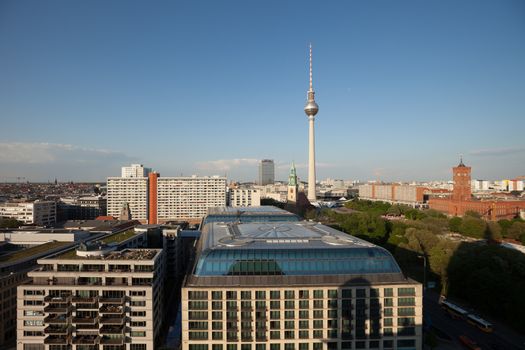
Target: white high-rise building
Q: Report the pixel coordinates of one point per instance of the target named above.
(135, 170)
(266, 172)
(189, 197)
(245, 197)
(130, 190)
(42, 213)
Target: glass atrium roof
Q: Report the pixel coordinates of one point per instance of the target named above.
(287, 248)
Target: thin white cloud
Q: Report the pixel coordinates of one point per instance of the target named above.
(305, 165)
(226, 164)
(497, 151)
(46, 153)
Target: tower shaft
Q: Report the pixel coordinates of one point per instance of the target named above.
(311, 160)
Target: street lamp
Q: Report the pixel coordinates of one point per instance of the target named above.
(424, 257)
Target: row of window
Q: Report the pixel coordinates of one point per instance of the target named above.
(373, 344)
(303, 294)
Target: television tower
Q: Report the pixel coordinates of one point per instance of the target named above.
(311, 108)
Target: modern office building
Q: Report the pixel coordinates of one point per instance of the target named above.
(296, 285)
(264, 213)
(135, 170)
(130, 190)
(41, 213)
(266, 172)
(244, 197)
(94, 297)
(81, 208)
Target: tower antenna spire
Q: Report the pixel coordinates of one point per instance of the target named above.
(311, 84)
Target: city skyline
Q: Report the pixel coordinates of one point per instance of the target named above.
(405, 88)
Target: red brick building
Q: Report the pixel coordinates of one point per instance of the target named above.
(462, 200)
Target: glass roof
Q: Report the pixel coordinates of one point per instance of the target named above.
(365, 260)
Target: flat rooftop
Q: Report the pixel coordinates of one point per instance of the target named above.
(12, 256)
(247, 210)
(127, 254)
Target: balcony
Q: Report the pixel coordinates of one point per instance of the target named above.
(86, 339)
(114, 319)
(85, 319)
(111, 309)
(57, 299)
(87, 306)
(112, 329)
(56, 339)
(57, 330)
(112, 340)
(56, 319)
(112, 300)
(57, 308)
(80, 299)
(87, 327)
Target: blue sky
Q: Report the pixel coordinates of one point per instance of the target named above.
(210, 87)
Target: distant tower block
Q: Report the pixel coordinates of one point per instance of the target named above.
(311, 108)
(461, 175)
(293, 186)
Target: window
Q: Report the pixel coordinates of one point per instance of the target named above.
(332, 293)
(387, 322)
(143, 334)
(318, 294)
(303, 294)
(346, 293)
(289, 294)
(303, 334)
(318, 313)
(289, 304)
(389, 292)
(318, 324)
(215, 315)
(260, 294)
(289, 334)
(406, 343)
(318, 304)
(289, 325)
(303, 304)
(406, 311)
(246, 294)
(231, 295)
(303, 314)
(406, 302)
(289, 314)
(275, 315)
(197, 295)
(303, 346)
(216, 347)
(138, 324)
(275, 304)
(216, 295)
(318, 334)
(360, 293)
(275, 335)
(33, 323)
(275, 294)
(137, 347)
(138, 303)
(275, 324)
(402, 292)
(137, 293)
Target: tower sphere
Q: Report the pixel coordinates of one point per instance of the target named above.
(311, 108)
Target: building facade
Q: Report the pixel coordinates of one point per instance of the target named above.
(415, 196)
(130, 190)
(188, 198)
(41, 213)
(103, 300)
(135, 170)
(244, 197)
(296, 286)
(266, 172)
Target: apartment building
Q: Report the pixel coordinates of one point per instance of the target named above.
(41, 213)
(135, 170)
(296, 286)
(93, 298)
(130, 190)
(188, 198)
(415, 196)
(16, 260)
(244, 197)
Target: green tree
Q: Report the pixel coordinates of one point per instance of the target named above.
(473, 214)
(472, 227)
(516, 230)
(504, 224)
(454, 224)
(9, 223)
